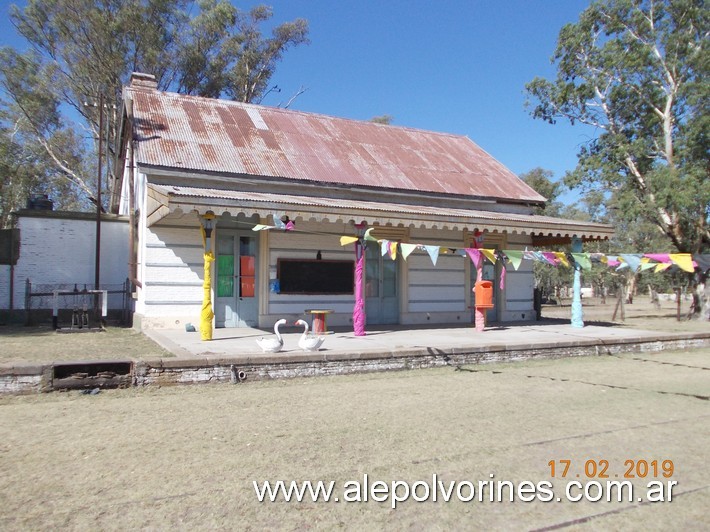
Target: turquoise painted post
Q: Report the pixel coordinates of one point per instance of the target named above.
(577, 320)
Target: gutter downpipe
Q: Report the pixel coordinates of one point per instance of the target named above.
(97, 264)
(132, 252)
(12, 275)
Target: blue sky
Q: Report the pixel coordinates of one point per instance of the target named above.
(456, 66)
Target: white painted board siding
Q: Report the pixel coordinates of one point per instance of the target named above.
(440, 288)
(287, 245)
(173, 271)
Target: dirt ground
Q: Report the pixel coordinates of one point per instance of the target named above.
(187, 457)
(641, 314)
(43, 345)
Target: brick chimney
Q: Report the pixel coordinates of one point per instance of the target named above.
(140, 80)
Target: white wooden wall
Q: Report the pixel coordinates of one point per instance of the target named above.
(519, 285)
(172, 271)
(172, 274)
(434, 294)
(297, 245)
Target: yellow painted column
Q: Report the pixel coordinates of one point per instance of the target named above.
(206, 315)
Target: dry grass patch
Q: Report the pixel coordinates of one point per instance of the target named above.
(186, 456)
(44, 345)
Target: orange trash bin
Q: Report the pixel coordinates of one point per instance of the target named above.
(483, 290)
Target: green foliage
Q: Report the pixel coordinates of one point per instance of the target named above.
(226, 54)
(637, 71)
(382, 119)
(540, 180)
(82, 48)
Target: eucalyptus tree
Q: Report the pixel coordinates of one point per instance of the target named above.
(637, 70)
(541, 181)
(81, 52)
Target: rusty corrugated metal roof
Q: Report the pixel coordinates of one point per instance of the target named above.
(209, 135)
(219, 201)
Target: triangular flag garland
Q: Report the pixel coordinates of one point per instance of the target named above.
(281, 221)
(515, 257)
(632, 261)
(433, 252)
(582, 259)
(683, 260)
(490, 254)
(475, 255)
(407, 249)
(562, 258)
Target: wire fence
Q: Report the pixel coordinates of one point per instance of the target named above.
(69, 298)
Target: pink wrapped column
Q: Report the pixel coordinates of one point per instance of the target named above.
(359, 309)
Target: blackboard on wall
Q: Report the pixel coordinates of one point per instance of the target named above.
(306, 276)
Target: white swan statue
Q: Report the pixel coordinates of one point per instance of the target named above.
(309, 342)
(272, 345)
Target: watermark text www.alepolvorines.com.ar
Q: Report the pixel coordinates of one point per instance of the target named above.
(483, 491)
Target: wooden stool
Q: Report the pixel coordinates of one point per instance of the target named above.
(319, 324)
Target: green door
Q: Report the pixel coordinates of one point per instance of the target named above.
(236, 304)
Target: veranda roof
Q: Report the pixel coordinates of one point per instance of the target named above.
(164, 199)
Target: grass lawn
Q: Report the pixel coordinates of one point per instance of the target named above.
(186, 457)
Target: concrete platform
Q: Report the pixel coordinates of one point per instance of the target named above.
(233, 354)
(240, 344)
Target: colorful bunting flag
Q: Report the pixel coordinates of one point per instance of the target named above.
(490, 254)
(632, 259)
(407, 249)
(433, 252)
(582, 259)
(612, 261)
(475, 255)
(562, 257)
(550, 257)
(683, 260)
(658, 257)
(703, 262)
(515, 257)
(261, 227)
(345, 240)
(368, 236)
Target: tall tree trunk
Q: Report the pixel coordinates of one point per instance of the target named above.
(701, 299)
